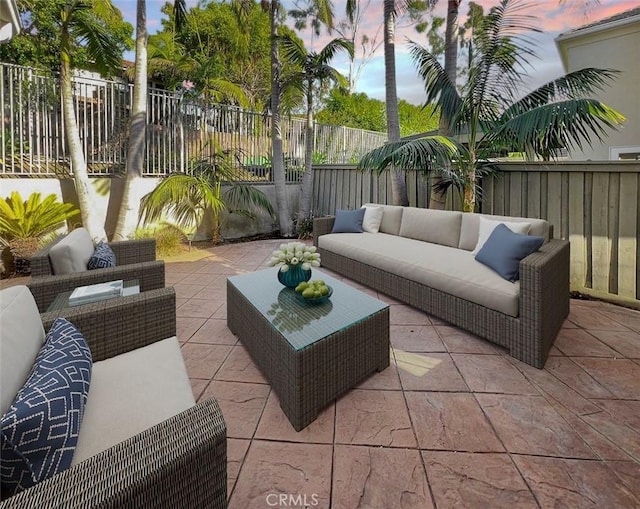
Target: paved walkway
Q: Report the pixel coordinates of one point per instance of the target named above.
(453, 422)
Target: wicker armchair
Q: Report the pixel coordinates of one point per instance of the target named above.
(136, 259)
(180, 462)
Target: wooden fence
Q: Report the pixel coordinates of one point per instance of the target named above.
(595, 205)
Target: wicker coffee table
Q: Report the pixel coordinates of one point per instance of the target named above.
(310, 354)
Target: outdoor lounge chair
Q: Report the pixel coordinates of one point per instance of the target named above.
(143, 442)
(135, 259)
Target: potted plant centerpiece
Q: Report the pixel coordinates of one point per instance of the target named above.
(295, 260)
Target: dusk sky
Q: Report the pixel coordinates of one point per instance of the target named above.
(554, 19)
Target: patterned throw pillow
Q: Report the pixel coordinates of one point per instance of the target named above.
(103, 257)
(40, 429)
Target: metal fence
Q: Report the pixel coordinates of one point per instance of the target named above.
(180, 129)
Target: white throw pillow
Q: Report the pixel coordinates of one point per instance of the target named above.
(372, 219)
(72, 253)
(486, 226)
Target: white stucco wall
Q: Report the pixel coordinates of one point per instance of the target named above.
(611, 46)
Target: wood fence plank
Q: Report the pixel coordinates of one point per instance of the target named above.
(554, 203)
(600, 243)
(578, 254)
(613, 230)
(515, 194)
(628, 240)
(533, 194)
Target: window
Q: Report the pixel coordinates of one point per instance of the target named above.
(624, 153)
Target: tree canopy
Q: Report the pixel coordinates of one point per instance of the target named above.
(39, 43)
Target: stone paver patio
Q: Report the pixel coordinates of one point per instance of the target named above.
(453, 422)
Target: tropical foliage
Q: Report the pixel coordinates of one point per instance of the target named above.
(488, 112)
(311, 70)
(40, 43)
(25, 225)
(198, 197)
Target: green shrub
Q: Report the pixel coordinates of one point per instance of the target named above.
(169, 238)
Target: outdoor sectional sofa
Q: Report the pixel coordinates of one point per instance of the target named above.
(143, 442)
(424, 258)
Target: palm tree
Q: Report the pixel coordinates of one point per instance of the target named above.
(398, 184)
(313, 68)
(325, 15)
(557, 114)
(196, 197)
(126, 222)
(81, 21)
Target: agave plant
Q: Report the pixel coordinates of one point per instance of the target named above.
(191, 197)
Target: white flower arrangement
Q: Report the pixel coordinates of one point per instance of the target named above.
(293, 254)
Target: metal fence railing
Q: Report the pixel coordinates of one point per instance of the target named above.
(180, 129)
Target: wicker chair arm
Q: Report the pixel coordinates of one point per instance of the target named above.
(150, 276)
(181, 462)
(322, 226)
(544, 290)
(39, 263)
(134, 251)
(116, 326)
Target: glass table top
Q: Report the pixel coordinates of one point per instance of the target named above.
(303, 324)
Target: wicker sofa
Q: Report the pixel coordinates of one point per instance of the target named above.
(423, 258)
(143, 441)
(135, 259)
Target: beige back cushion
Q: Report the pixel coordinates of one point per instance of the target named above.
(21, 337)
(435, 226)
(471, 227)
(391, 218)
(72, 253)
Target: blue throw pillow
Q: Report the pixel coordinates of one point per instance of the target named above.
(348, 221)
(504, 249)
(103, 257)
(40, 429)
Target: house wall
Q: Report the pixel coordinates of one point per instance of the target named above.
(611, 46)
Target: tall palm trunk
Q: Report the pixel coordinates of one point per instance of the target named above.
(438, 200)
(277, 162)
(86, 193)
(398, 184)
(128, 214)
(307, 177)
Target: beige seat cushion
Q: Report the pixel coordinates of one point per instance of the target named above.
(21, 337)
(450, 270)
(471, 226)
(132, 392)
(437, 226)
(72, 253)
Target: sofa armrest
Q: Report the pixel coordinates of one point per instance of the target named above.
(150, 275)
(116, 326)
(39, 263)
(544, 289)
(322, 226)
(181, 462)
(134, 251)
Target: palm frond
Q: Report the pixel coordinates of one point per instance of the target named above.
(101, 45)
(570, 124)
(574, 85)
(438, 87)
(417, 154)
(332, 48)
(248, 200)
